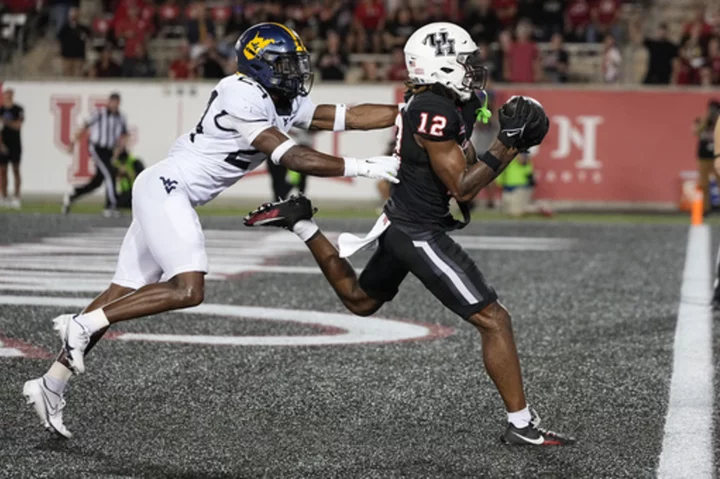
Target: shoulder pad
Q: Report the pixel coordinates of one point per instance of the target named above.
(433, 117)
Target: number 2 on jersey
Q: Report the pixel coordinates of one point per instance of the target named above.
(199, 127)
(437, 126)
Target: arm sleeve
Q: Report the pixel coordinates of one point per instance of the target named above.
(305, 113)
(434, 118)
(21, 113)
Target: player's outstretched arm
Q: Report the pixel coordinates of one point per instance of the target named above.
(358, 117)
(283, 150)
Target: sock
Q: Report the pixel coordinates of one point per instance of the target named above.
(305, 229)
(521, 418)
(94, 320)
(57, 377)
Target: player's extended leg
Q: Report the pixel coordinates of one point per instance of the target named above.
(92, 185)
(362, 296)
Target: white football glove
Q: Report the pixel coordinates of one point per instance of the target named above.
(377, 167)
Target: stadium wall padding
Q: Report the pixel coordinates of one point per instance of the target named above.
(606, 146)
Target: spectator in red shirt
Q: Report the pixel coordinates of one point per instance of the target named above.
(604, 15)
(168, 14)
(181, 67)
(577, 21)
(713, 60)
(134, 31)
(370, 14)
(397, 71)
(682, 72)
(693, 55)
(369, 20)
(698, 24)
(506, 11)
(122, 11)
(523, 61)
(140, 65)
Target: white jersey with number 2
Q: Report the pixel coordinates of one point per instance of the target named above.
(218, 151)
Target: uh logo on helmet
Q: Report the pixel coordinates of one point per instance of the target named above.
(445, 53)
(275, 56)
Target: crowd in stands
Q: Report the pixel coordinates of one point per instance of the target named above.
(523, 41)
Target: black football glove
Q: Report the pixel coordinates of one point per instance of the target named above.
(523, 123)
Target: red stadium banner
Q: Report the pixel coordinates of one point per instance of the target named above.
(614, 145)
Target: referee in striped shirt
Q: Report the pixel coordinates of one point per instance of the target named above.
(108, 136)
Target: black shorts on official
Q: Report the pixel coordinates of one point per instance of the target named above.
(13, 156)
(436, 260)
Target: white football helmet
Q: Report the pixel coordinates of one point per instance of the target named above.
(445, 53)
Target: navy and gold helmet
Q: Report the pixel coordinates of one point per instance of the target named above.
(276, 57)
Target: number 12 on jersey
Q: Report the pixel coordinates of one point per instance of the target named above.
(437, 125)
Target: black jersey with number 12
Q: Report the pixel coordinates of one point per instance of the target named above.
(421, 200)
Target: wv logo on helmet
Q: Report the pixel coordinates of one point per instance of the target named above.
(255, 45)
(444, 46)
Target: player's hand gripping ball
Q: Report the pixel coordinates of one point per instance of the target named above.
(523, 123)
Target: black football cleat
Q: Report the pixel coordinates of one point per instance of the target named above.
(533, 435)
(282, 214)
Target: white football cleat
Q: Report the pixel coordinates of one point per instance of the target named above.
(15, 203)
(48, 406)
(75, 339)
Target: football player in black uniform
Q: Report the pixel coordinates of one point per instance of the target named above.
(12, 116)
(437, 161)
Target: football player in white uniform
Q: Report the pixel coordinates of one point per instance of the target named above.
(162, 261)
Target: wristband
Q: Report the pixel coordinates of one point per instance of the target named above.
(281, 150)
(351, 167)
(339, 123)
(490, 160)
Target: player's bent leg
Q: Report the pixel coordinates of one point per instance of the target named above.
(341, 276)
(296, 214)
(165, 238)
